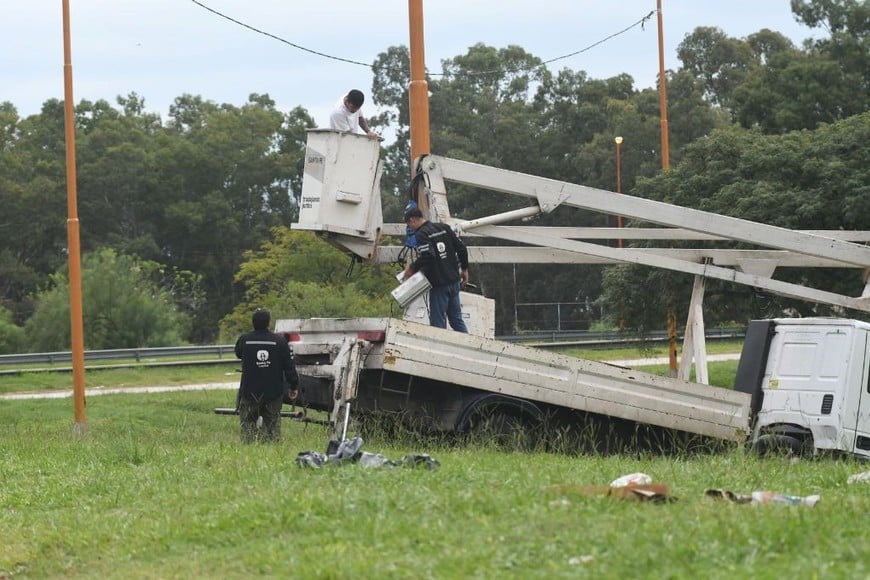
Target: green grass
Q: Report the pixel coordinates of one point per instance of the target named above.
(161, 488)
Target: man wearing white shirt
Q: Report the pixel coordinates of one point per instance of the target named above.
(347, 115)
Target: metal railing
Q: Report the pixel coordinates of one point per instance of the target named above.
(135, 354)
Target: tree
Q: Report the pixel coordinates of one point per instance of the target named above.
(230, 176)
(799, 180)
(765, 81)
(33, 197)
(719, 61)
(819, 94)
(390, 90)
(11, 335)
(297, 275)
(120, 197)
(122, 308)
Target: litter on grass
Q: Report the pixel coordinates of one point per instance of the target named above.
(652, 492)
(634, 486)
(349, 451)
(631, 479)
(763, 498)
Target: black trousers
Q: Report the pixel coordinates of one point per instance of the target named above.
(251, 408)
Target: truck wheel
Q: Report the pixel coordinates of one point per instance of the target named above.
(502, 421)
(503, 430)
(776, 444)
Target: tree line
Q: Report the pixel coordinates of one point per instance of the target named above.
(185, 221)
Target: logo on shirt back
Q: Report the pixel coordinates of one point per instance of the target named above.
(263, 358)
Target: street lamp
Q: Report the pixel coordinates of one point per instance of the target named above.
(618, 141)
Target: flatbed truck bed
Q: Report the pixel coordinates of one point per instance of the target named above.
(440, 378)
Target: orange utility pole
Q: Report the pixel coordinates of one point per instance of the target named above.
(72, 229)
(666, 164)
(663, 92)
(419, 89)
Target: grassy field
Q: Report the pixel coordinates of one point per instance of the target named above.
(160, 487)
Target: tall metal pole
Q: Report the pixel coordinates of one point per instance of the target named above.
(72, 226)
(663, 92)
(666, 164)
(419, 89)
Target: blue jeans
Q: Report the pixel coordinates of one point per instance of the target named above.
(444, 305)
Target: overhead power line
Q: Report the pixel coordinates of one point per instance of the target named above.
(641, 22)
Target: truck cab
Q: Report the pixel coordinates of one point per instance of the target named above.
(810, 380)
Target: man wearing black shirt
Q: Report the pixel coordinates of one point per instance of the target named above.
(268, 369)
(443, 260)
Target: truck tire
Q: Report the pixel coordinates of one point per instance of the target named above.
(504, 422)
(775, 444)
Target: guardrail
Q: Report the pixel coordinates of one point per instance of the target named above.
(220, 351)
(136, 354)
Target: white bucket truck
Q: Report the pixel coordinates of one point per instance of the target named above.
(801, 384)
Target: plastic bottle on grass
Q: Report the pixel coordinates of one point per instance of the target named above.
(771, 497)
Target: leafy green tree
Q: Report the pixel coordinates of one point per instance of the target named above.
(11, 335)
(819, 93)
(719, 61)
(297, 275)
(848, 23)
(33, 233)
(231, 181)
(120, 198)
(765, 81)
(122, 308)
(799, 180)
(390, 90)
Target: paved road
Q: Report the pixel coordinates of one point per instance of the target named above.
(95, 391)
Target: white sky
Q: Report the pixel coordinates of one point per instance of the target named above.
(162, 49)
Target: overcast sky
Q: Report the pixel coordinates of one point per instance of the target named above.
(162, 49)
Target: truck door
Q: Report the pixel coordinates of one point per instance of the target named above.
(862, 400)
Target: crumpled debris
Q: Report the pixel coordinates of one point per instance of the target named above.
(423, 460)
(349, 451)
(863, 477)
(728, 495)
(653, 492)
(763, 498)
